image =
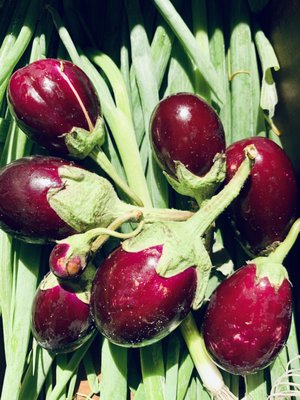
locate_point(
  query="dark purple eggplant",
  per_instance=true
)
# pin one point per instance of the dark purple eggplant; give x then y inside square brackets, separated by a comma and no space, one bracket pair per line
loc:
[25,211]
[248,317]
[267,206]
[50,98]
[133,305]
[185,128]
[61,320]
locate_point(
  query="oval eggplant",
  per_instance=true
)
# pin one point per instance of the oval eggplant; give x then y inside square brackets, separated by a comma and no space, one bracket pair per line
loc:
[51,97]
[267,206]
[24,209]
[247,321]
[61,320]
[183,127]
[132,305]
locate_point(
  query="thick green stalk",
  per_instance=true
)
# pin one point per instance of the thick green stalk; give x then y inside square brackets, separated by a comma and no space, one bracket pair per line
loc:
[147,84]
[199,14]
[119,121]
[36,373]
[26,269]
[13,56]
[209,373]
[219,60]
[240,73]
[68,372]
[190,45]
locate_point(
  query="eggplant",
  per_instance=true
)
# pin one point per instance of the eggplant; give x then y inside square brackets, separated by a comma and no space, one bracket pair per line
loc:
[185,128]
[51,99]
[61,320]
[267,205]
[248,317]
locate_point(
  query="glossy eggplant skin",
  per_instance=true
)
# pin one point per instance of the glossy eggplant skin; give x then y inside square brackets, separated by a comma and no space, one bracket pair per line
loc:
[247,321]
[44,98]
[267,206]
[24,209]
[132,305]
[183,127]
[61,321]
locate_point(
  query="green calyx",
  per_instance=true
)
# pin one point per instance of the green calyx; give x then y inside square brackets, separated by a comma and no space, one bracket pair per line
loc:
[84,200]
[266,268]
[80,142]
[271,266]
[180,251]
[81,287]
[199,188]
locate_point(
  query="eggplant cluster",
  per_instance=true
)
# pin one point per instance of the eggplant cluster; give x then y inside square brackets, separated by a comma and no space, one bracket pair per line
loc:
[150,282]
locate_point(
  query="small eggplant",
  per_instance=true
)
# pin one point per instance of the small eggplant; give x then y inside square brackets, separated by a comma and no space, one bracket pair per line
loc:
[248,317]
[25,211]
[267,206]
[51,99]
[133,305]
[61,319]
[186,128]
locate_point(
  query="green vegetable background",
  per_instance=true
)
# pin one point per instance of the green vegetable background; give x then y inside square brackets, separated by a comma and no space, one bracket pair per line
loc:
[135,53]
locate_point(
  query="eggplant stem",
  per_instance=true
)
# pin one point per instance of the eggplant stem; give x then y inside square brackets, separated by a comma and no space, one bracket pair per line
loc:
[285,246]
[132,215]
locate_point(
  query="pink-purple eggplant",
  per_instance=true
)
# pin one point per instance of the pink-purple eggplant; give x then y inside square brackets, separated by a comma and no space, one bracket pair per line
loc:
[248,317]
[146,287]
[61,320]
[186,128]
[25,211]
[50,99]
[46,198]
[71,256]
[132,304]
[187,138]
[267,206]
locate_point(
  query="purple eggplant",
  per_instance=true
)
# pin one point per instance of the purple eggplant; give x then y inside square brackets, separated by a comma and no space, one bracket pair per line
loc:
[248,317]
[183,127]
[133,305]
[25,211]
[61,320]
[51,98]
[267,206]
[47,198]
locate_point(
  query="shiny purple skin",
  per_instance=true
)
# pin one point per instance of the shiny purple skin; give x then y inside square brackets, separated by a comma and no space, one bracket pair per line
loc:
[132,305]
[61,322]
[24,208]
[267,206]
[44,104]
[183,127]
[62,266]
[247,321]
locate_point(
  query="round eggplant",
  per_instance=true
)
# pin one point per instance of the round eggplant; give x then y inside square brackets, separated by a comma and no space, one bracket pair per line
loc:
[25,211]
[183,127]
[267,206]
[49,98]
[132,305]
[61,320]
